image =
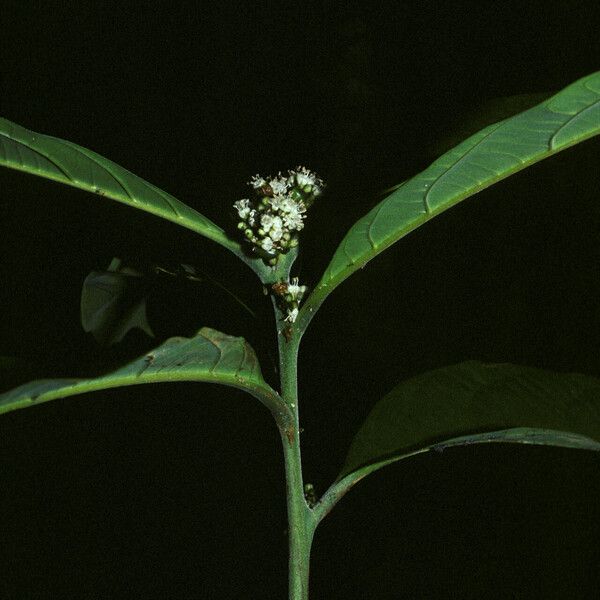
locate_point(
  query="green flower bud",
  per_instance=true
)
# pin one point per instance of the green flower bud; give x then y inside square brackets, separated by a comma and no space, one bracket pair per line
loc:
[296,194]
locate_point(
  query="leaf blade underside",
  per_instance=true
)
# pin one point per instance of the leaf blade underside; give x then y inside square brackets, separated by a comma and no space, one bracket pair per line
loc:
[209,356]
[473,403]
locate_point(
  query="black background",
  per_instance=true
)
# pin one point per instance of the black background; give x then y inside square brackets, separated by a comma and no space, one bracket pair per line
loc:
[176,491]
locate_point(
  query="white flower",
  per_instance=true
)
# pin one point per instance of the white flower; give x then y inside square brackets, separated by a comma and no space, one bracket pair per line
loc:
[278,202]
[267,245]
[276,230]
[243,208]
[283,203]
[273,225]
[266,221]
[292,315]
[252,218]
[257,182]
[279,185]
[291,210]
[304,177]
[286,204]
[293,219]
[294,290]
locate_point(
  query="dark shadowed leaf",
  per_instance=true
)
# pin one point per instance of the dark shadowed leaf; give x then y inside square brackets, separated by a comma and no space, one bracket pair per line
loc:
[209,356]
[113,302]
[474,403]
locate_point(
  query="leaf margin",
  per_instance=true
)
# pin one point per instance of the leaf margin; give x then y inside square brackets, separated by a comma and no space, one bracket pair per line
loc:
[17,138]
[146,369]
[334,276]
[351,474]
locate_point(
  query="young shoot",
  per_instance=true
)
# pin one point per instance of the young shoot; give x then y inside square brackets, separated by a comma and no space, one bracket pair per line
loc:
[456,405]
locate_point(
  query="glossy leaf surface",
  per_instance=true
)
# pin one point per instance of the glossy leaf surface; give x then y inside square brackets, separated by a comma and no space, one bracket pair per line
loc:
[209,356]
[487,113]
[474,403]
[66,162]
[569,117]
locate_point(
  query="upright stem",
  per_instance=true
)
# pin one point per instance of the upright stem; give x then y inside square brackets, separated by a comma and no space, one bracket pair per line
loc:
[301,517]
[301,521]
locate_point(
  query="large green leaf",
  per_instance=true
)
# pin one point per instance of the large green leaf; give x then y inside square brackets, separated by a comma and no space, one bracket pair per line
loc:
[569,117]
[474,403]
[489,112]
[73,165]
[209,356]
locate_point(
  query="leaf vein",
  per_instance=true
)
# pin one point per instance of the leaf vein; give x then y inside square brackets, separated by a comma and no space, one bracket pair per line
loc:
[461,158]
[551,141]
[372,223]
[103,167]
[18,145]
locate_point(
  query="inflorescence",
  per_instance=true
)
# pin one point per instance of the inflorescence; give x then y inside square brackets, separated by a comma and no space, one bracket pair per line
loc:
[289,296]
[272,220]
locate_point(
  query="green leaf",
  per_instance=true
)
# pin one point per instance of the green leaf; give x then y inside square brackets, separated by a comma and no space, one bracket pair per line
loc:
[210,356]
[475,403]
[78,167]
[569,117]
[489,112]
[113,302]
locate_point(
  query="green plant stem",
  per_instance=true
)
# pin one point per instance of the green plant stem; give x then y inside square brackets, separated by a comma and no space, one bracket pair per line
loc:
[301,518]
[301,521]
[342,486]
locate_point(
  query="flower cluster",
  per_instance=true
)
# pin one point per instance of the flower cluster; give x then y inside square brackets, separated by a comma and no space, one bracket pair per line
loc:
[271,221]
[289,295]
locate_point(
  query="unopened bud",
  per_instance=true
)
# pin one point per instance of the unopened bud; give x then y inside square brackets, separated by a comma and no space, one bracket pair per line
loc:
[267,190]
[296,195]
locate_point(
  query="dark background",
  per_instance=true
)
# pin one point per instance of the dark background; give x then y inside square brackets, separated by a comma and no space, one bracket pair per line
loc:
[176,491]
